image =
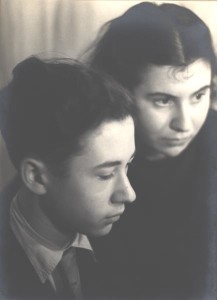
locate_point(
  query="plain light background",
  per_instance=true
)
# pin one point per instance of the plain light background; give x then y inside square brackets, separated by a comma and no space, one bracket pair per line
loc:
[62,28]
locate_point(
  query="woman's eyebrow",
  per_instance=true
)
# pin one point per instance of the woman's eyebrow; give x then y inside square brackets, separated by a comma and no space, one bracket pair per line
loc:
[161,94]
[202,89]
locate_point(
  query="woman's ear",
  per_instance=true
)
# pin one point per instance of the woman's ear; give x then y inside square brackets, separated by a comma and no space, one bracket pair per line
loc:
[34,175]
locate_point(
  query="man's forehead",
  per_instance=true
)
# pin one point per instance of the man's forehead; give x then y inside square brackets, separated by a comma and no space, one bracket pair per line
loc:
[109,134]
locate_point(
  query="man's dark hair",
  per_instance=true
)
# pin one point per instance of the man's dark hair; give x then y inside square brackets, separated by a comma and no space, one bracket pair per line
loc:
[148,33]
[53,103]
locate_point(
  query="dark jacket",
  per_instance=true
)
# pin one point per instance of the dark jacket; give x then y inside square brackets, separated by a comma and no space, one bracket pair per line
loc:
[18,279]
[164,246]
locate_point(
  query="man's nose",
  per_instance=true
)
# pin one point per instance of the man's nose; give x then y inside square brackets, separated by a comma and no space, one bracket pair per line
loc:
[124,192]
[181,119]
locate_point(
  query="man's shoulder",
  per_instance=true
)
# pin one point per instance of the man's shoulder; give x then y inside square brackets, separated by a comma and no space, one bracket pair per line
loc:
[17,276]
[6,196]
[11,254]
[9,191]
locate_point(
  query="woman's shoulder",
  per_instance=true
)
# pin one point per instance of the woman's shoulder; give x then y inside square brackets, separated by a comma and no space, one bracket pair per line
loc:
[209,130]
[207,139]
[212,117]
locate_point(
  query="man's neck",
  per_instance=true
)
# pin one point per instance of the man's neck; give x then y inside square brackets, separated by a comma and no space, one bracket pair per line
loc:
[29,205]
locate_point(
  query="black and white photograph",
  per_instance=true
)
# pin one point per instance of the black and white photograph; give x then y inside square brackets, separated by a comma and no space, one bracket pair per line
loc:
[108,150]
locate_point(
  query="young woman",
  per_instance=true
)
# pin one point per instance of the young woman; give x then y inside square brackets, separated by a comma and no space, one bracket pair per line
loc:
[164,247]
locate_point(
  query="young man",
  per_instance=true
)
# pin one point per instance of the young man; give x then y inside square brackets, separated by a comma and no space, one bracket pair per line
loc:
[70,134]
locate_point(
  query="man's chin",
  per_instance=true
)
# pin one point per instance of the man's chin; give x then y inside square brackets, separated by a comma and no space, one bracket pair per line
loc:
[102,231]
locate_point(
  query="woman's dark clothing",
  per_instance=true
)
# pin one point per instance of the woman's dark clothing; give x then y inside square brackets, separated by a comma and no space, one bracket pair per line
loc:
[165,244]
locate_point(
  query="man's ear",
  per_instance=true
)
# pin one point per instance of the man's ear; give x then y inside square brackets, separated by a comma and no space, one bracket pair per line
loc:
[34,175]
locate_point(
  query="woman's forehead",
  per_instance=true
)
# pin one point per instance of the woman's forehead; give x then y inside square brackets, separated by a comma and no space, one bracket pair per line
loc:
[176,73]
[172,80]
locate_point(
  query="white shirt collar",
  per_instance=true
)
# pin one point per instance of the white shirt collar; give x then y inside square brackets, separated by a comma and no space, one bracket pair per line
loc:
[43,259]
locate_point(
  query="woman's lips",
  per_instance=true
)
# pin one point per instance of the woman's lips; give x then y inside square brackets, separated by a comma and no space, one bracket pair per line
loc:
[177,141]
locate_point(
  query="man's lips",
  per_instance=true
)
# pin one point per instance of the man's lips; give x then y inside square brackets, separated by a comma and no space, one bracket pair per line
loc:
[115,217]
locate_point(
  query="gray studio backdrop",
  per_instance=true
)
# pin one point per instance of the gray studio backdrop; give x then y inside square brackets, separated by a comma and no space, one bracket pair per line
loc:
[61,28]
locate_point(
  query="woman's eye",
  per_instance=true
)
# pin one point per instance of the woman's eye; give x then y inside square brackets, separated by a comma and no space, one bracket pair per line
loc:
[163,102]
[198,97]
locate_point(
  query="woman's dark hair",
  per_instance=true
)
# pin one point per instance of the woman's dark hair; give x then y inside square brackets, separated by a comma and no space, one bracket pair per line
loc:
[166,34]
[52,104]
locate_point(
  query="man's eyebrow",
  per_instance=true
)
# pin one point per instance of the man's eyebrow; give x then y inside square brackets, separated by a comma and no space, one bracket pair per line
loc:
[202,89]
[108,164]
[113,163]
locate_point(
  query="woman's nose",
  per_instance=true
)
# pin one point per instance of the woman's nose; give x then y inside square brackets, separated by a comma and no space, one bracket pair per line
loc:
[181,120]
